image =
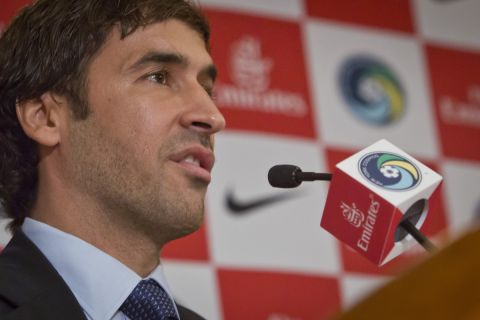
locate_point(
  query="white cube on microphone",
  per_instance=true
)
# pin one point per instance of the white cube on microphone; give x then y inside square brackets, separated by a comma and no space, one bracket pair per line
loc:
[370,193]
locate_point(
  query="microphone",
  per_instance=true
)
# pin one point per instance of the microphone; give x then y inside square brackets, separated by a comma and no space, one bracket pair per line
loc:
[290,176]
[377,200]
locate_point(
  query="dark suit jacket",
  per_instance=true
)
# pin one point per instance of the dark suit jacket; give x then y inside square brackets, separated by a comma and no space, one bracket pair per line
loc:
[30,288]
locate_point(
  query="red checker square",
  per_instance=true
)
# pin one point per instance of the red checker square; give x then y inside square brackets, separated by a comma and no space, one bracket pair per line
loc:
[387,14]
[455,81]
[269,295]
[191,247]
[262,84]
[434,225]
[8,8]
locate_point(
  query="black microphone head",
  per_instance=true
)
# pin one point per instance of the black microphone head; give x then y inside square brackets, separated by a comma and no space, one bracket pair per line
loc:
[283,176]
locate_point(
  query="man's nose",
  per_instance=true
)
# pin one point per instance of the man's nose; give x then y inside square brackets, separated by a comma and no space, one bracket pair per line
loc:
[202,114]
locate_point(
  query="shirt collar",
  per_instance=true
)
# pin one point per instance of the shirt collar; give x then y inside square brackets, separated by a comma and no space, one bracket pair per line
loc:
[99,282]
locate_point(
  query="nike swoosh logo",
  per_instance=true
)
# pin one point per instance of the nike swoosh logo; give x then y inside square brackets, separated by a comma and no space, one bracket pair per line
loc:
[239,207]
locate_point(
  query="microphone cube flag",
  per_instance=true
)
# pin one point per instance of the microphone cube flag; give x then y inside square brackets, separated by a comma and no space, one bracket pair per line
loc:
[370,193]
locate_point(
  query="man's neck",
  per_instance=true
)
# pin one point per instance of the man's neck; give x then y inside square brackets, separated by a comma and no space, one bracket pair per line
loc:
[121,240]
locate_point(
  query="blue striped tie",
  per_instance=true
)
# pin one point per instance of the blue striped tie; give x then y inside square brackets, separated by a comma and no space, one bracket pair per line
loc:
[148,301]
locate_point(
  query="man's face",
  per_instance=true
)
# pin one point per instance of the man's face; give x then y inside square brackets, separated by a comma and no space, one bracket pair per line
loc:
[144,154]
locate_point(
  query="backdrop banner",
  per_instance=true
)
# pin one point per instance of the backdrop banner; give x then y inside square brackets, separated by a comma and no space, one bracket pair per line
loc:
[310,83]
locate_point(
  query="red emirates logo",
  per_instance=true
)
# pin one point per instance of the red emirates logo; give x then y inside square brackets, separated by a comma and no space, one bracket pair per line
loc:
[262,83]
[456,99]
[250,72]
[248,68]
[464,112]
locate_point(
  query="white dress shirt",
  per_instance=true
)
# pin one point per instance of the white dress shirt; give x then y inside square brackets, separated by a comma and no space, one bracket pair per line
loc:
[99,282]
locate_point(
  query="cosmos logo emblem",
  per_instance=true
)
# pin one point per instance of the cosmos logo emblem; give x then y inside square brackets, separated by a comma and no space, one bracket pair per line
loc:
[389,171]
[371,90]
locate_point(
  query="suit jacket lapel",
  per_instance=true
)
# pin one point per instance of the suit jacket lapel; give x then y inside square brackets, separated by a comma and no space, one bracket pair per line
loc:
[187,314]
[31,286]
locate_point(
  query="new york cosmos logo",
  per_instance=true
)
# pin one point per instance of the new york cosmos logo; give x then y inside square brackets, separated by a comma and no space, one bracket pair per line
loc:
[371,90]
[389,171]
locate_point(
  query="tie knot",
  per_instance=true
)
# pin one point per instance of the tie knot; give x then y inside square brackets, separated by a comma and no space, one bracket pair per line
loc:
[148,301]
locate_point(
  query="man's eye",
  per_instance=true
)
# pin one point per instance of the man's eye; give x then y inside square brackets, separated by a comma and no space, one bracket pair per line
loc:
[160,77]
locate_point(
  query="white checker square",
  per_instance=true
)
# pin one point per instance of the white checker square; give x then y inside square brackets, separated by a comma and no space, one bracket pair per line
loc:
[462,192]
[354,288]
[453,23]
[329,46]
[283,235]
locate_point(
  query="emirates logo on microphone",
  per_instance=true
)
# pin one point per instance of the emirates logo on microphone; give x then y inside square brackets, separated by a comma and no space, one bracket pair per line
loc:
[352,214]
[360,220]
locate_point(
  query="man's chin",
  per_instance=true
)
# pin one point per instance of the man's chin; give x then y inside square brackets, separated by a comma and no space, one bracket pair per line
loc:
[186,226]
[183,232]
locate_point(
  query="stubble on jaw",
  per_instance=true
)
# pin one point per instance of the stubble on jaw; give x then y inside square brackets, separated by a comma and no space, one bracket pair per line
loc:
[104,170]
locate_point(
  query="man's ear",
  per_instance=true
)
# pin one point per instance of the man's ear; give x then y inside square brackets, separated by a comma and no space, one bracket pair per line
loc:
[41,118]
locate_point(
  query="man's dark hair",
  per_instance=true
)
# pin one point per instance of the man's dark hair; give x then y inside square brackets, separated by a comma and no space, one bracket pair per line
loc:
[48,47]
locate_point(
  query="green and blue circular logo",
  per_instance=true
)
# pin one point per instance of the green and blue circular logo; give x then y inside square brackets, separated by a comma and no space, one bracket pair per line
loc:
[389,171]
[372,90]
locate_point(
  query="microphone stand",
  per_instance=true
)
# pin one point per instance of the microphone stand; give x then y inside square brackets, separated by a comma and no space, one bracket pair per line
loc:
[417,235]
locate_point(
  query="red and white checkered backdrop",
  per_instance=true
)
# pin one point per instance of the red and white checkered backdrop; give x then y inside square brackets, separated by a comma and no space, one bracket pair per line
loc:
[310,82]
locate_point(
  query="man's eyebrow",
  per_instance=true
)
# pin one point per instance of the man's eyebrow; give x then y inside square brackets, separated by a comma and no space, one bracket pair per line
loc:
[159,58]
[171,58]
